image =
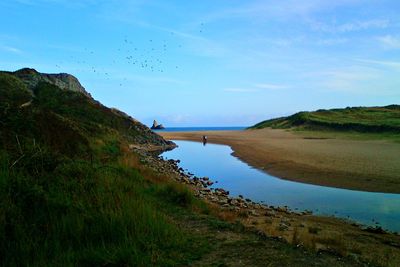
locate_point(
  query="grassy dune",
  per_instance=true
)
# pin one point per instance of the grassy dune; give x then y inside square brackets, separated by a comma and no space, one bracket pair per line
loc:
[359,119]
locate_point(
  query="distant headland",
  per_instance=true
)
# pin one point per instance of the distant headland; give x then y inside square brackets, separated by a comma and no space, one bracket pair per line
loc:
[157,126]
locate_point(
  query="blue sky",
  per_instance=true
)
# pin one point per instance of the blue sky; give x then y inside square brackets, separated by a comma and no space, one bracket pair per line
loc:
[212,63]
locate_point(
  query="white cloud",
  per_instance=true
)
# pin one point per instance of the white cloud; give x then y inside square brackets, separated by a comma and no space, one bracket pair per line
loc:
[357,79]
[364,25]
[240,90]
[390,41]
[350,26]
[271,86]
[68,3]
[281,10]
[395,65]
[332,41]
[10,49]
[256,88]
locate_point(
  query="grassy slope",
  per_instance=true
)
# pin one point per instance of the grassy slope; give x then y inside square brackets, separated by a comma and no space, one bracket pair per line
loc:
[71,195]
[65,196]
[359,119]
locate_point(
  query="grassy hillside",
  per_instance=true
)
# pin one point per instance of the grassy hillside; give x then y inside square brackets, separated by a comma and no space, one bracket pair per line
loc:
[67,194]
[359,119]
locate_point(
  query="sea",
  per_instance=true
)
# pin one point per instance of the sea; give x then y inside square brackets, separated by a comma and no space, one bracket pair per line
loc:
[193,129]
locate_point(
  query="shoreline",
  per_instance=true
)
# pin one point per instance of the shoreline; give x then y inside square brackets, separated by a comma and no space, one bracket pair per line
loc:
[374,167]
[302,229]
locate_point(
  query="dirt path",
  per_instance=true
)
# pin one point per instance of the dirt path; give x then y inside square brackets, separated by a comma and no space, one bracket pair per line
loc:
[367,165]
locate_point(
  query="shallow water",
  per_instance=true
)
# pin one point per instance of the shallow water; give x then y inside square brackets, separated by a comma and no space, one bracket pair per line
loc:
[216,162]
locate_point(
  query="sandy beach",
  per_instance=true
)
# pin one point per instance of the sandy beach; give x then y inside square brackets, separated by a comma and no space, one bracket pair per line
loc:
[367,165]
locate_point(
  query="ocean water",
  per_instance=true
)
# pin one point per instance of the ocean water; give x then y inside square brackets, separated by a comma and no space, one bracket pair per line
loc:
[217,163]
[191,129]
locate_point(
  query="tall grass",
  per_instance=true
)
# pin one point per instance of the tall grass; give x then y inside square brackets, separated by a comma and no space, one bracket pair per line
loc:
[89,216]
[67,197]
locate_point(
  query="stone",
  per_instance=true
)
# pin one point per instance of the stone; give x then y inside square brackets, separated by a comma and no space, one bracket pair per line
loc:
[270,213]
[63,80]
[234,202]
[157,126]
[283,227]
[253,213]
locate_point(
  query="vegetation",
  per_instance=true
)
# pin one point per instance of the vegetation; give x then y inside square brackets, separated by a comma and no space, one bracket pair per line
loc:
[66,195]
[359,119]
[72,194]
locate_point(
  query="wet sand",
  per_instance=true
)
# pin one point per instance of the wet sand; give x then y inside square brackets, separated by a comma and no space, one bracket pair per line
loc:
[367,165]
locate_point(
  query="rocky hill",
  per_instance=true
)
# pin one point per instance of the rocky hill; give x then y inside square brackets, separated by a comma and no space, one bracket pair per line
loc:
[60,100]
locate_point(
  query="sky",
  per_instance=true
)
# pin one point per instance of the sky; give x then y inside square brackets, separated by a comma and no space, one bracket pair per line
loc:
[212,63]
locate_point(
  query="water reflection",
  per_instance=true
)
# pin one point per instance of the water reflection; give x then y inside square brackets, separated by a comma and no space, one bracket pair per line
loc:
[216,162]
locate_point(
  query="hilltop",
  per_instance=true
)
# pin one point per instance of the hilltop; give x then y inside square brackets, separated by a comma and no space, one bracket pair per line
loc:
[31,78]
[358,119]
[57,110]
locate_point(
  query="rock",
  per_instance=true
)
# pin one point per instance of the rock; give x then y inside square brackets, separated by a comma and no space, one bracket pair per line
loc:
[375,230]
[63,80]
[233,202]
[285,220]
[232,208]
[283,227]
[321,247]
[157,126]
[270,213]
[207,190]
[282,209]
[253,213]
[306,212]
[27,104]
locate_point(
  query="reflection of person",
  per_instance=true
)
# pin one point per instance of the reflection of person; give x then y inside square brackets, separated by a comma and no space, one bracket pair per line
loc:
[204,140]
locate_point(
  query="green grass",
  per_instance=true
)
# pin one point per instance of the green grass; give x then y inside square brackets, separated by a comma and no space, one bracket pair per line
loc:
[66,198]
[90,215]
[358,119]
[349,135]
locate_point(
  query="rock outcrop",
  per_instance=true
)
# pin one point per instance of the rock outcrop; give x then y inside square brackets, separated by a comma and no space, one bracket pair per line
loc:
[133,130]
[157,126]
[65,81]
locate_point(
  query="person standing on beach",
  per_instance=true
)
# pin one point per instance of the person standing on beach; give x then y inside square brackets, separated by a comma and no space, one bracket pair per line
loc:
[204,140]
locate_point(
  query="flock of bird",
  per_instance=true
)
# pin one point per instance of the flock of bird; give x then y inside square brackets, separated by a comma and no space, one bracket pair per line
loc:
[149,55]
[151,58]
